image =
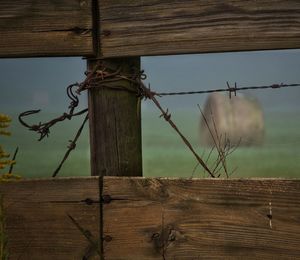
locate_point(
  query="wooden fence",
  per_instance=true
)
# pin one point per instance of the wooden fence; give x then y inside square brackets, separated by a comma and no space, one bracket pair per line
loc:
[144,218]
[135,217]
[136,28]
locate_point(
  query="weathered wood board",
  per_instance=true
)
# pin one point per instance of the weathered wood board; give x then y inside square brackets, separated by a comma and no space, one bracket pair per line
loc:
[152,218]
[115,123]
[37,218]
[45,28]
[137,28]
[201,219]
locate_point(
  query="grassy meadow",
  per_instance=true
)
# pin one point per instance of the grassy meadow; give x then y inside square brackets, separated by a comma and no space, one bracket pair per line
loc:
[165,155]
[163,151]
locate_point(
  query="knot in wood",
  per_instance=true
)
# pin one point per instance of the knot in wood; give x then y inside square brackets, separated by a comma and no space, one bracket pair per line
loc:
[155,236]
[107,238]
[157,241]
[172,235]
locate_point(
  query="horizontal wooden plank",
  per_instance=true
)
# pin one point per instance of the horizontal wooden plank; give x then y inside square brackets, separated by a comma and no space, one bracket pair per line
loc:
[45,28]
[137,28]
[199,219]
[152,218]
[38,218]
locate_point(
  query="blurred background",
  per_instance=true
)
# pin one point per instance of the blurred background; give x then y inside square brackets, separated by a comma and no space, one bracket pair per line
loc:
[40,83]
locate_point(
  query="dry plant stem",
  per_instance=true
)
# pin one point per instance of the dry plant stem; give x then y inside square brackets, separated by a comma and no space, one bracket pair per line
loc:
[227,150]
[221,149]
[206,161]
[217,142]
[71,146]
[208,157]
[167,117]
[224,150]
[13,159]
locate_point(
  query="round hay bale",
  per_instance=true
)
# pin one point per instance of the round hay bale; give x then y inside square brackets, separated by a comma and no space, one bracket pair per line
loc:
[238,120]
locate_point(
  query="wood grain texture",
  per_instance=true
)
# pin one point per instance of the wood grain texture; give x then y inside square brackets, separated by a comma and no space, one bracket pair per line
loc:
[37,222]
[45,28]
[152,218]
[137,28]
[115,124]
[200,219]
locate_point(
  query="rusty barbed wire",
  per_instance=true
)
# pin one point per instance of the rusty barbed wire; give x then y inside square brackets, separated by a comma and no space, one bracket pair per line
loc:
[147,93]
[101,75]
[43,129]
[71,146]
[228,89]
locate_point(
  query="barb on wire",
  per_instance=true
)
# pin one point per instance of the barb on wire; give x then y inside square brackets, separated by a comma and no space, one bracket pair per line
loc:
[147,93]
[43,129]
[229,89]
[71,146]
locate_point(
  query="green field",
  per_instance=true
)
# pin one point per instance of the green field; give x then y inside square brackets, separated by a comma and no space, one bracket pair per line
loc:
[163,152]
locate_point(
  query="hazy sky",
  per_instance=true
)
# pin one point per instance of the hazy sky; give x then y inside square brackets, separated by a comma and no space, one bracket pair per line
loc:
[41,82]
[209,71]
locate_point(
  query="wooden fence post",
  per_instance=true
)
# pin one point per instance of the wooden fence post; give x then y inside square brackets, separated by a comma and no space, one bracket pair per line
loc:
[115,124]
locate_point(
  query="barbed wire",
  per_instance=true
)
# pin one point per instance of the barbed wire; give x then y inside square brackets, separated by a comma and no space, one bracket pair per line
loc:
[228,89]
[71,146]
[147,93]
[43,129]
